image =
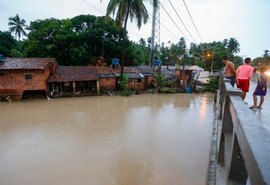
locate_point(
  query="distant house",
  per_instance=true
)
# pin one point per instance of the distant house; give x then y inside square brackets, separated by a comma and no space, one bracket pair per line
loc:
[136,79]
[107,78]
[21,76]
[184,77]
[74,81]
[148,73]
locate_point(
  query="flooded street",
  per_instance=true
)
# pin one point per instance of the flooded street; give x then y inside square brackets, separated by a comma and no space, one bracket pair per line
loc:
[139,140]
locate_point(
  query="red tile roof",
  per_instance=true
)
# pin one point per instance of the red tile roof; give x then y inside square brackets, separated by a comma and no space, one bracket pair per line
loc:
[146,70]
[104,70]
[74,73]
[26,63]
[127,70]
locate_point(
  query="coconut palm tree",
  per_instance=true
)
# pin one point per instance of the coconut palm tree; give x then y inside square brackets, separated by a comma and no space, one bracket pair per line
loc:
[17,26]
[123,10]
[233,46]
[266,53]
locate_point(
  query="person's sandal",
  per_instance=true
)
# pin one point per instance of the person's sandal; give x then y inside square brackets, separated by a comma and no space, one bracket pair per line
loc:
[259,107]
[253,107]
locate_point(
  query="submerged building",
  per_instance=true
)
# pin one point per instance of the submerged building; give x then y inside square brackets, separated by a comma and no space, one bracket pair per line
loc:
[26,77]
[22,76]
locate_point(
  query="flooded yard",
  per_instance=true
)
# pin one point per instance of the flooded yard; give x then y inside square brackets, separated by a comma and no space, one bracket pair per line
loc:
[139,140]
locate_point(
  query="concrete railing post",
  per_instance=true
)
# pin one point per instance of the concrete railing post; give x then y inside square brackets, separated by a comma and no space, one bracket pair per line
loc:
[243,143]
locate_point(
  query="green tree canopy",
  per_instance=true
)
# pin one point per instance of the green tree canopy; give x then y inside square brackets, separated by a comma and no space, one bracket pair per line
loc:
[124,10]
[73,41]
[7,43]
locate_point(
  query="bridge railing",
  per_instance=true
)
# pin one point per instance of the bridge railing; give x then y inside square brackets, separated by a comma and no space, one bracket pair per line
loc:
[243,144]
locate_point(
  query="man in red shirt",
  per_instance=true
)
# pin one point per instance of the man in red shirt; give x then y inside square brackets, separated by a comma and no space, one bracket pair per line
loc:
[243,75]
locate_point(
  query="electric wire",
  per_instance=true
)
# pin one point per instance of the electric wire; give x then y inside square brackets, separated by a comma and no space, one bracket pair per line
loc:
[172,34]
[192,20]
[174,22]
[138,35]
[182,21]
[93,6]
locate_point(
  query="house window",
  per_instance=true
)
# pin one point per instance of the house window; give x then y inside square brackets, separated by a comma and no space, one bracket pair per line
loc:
[28,76]
[138,80]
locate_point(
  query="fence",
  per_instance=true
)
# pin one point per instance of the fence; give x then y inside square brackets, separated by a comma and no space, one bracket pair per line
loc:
[243,144]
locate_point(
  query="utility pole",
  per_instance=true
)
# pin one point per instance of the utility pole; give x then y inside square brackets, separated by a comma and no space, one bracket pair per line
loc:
[155,38]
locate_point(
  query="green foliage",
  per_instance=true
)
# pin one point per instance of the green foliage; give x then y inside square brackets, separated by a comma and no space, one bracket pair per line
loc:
[174,53]
[7,43]
[73,41]
[261,61]
[160,80]
[16,53]
[124,85]
[213,84]
[198,53]
[137,54]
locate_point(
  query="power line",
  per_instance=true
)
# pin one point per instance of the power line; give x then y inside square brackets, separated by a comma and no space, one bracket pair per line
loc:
[93,6]
[172,34]
[138,35]
[181,21]
[173,21]
[192,20]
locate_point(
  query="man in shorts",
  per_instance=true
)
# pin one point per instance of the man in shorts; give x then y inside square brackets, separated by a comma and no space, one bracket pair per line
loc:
[243,75]
[229,72]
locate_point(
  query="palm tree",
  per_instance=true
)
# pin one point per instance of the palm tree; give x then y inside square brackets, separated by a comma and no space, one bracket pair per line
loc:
[233,46]
[17,26]
[123,10]
[266,53]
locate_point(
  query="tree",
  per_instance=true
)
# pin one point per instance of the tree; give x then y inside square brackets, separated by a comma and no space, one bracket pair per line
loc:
[17,25]
[233,46]
[7,43]
[123,10]
[266,53]
[74,41]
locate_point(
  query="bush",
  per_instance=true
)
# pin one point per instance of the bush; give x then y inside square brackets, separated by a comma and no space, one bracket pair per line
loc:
[160,81]
[213,84]
[124,85]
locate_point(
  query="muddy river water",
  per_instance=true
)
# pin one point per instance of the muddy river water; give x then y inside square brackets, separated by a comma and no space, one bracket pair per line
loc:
[139,140]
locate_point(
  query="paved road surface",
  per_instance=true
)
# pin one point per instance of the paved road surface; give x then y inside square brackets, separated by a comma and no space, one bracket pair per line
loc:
[264,114]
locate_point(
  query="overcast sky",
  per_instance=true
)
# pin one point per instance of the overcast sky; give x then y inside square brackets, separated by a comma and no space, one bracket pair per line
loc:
[246,20]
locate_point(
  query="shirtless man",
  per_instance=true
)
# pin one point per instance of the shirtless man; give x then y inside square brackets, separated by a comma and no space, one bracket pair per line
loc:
[230,72]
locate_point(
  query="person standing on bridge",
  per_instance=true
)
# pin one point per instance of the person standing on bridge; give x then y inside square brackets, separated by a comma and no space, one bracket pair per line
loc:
[243,76]
[229,72]
[260,90]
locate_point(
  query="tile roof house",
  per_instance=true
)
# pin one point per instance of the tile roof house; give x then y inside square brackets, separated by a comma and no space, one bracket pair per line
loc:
[74,73]
[74,80]
[23,75]
[107,78]
[136,79]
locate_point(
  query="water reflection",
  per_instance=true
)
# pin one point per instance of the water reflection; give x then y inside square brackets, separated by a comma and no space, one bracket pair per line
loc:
[146,139]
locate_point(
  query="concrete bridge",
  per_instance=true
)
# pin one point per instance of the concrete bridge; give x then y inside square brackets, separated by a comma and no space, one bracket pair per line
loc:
[240,151]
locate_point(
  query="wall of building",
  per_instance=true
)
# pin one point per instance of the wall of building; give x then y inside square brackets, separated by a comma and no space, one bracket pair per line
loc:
[107,83]
[136,84]
[149,81]
[13,82]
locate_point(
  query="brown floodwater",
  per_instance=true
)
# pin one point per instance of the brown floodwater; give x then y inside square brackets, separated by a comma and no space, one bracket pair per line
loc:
[139,140]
